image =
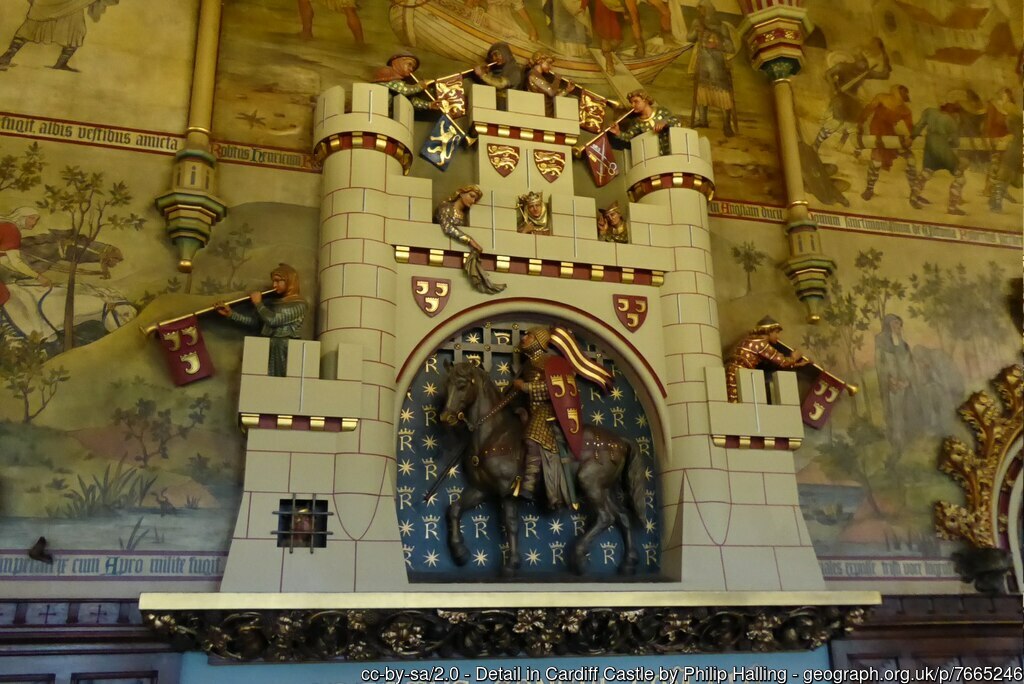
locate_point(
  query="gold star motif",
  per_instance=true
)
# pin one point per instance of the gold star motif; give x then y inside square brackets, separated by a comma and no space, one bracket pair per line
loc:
[453,471]
[406,415]
[431,559]
[432,500]
[504,368]
[480,558]
[597,418]
[649,525]
[472,338]
[405,467]
[641,421]
[533,557]
[430,389]
[405,528]
[430,442]
[648,475]
[616,394]
[555,526]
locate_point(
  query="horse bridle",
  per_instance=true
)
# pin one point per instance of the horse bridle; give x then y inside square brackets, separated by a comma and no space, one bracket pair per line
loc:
[505,401]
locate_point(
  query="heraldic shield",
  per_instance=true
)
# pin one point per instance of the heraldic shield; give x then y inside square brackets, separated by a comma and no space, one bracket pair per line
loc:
[631,310]
[550,164]
[504,158]
[565,400]
[431,294]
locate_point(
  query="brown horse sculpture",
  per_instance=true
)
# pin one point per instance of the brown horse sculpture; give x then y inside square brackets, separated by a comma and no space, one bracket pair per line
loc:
[495,458]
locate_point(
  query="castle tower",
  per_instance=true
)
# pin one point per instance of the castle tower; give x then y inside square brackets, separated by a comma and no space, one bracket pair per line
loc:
[323,437]
[730,512]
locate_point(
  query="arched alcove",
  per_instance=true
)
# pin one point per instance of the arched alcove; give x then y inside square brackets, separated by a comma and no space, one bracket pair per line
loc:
[546,537]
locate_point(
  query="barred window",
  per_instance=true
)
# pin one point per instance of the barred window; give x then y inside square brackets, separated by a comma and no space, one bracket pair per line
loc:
[302,524]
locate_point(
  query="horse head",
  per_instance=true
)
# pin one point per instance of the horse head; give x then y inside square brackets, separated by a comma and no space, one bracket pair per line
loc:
[461,386]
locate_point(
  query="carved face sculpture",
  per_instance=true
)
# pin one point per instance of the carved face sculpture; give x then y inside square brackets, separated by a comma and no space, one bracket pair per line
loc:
[405,66]
[640,105]
[279,283]
[303,527]
[468,198]
[535,208]
[614,217]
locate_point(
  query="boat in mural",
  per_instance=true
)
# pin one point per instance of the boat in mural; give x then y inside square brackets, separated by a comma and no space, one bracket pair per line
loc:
[452,29]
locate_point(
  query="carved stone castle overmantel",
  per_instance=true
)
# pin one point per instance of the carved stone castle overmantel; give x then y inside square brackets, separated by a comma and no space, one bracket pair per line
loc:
[324,437]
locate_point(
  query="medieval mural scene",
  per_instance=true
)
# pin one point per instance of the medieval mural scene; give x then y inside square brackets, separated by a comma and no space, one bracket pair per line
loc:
[909,141]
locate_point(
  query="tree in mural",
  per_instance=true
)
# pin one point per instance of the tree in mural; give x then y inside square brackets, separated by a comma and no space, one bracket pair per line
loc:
[24,373]
[875,291]
[749,258]
[235,251]
[857,458]
[22,172]
[846,323]
[87,201]
[958,308]
[152,429]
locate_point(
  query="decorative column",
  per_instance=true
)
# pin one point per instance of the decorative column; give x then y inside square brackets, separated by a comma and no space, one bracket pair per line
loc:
[775,32]
[191,206]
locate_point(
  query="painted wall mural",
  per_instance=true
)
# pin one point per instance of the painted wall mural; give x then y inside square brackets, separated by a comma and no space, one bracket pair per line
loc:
[917,326]
[103,457]
[72,60]
[101,454]
[276,57]
[917,114]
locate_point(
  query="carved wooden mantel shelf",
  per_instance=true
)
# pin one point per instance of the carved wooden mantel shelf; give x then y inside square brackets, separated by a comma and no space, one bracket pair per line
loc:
[391,626]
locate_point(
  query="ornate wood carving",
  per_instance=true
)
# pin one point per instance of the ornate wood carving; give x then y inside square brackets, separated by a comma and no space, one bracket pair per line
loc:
[386,634]
[996,429]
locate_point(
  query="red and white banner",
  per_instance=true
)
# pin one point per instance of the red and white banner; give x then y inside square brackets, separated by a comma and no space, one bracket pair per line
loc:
[187,357]
[821,399]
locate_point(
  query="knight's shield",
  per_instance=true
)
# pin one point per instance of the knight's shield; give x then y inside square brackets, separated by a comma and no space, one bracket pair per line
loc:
[565,400]
[631,310]
[431,294]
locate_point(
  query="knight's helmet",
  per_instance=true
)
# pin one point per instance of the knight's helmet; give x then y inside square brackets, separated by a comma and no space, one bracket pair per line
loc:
[541,338]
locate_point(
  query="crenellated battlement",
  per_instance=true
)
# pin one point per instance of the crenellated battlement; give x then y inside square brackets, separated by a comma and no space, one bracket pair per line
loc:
[372,120]
[327,403]
[687,153]
[757,420]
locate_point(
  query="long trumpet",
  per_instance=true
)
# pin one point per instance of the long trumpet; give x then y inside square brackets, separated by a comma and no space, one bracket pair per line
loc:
[463,73]
[578,151]
[149,330]
[851,388]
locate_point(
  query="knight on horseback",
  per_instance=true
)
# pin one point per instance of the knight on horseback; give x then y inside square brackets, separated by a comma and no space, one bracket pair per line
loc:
[554,428]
